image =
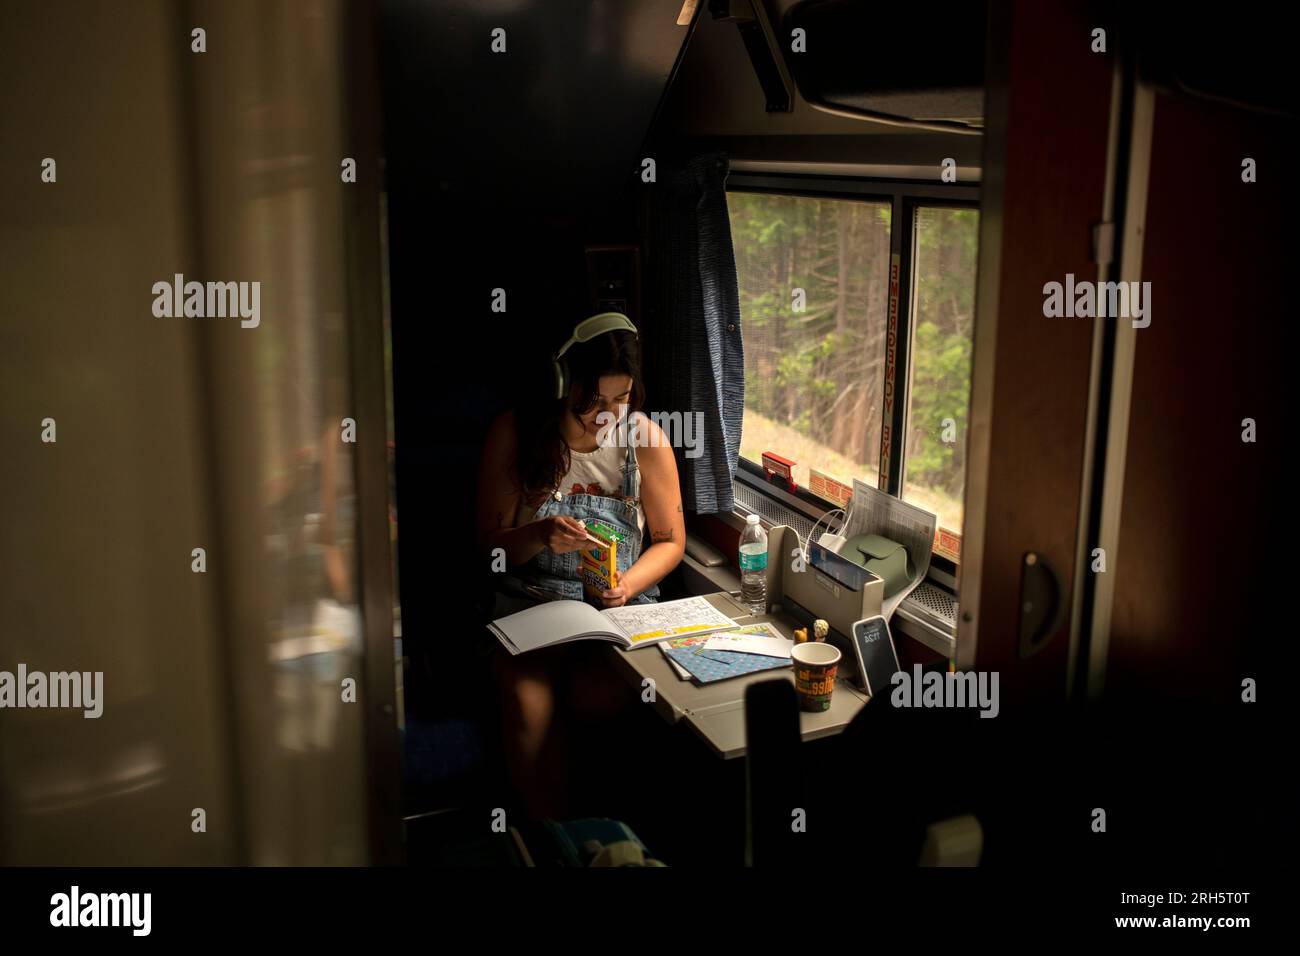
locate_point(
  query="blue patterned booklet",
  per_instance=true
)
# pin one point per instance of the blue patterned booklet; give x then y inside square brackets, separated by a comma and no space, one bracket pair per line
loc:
[692,660]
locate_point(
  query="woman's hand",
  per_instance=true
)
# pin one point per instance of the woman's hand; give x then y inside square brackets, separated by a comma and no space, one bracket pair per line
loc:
[562,534]
[618,595]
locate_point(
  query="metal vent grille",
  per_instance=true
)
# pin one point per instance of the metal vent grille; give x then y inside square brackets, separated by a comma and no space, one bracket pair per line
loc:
[772,511]
[936,602]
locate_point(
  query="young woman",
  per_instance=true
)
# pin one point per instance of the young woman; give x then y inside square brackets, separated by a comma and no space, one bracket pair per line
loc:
[582,452]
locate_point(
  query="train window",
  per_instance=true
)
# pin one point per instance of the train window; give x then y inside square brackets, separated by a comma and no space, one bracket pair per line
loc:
[813,277]
[944,243]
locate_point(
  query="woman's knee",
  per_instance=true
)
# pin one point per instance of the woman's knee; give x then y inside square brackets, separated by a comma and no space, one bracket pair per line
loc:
[527,691]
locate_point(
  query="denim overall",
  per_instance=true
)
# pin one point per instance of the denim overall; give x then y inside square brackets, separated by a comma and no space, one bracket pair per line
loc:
[559,572]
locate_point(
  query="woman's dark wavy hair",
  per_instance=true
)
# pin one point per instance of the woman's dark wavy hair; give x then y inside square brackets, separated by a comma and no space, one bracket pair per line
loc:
[543,456]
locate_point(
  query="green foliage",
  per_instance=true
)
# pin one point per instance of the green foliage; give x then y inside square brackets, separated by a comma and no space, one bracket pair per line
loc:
[820,371]
[940,390]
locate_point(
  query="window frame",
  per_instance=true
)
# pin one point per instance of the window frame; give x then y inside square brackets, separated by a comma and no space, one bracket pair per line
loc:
[904,197]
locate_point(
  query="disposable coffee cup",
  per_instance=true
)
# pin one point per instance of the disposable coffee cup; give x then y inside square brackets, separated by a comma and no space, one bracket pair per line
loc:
[814,674]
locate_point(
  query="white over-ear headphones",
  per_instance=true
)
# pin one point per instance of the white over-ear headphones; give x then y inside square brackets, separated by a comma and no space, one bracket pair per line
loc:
[585,331]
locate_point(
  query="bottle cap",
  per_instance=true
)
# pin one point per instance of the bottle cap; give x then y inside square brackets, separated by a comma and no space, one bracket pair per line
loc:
[751,519]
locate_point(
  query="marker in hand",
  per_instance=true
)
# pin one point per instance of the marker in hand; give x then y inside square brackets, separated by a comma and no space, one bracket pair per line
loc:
[588,535]
[580,528]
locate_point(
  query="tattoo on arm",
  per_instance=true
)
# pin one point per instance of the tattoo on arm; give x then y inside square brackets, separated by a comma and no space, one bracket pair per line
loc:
[657,536]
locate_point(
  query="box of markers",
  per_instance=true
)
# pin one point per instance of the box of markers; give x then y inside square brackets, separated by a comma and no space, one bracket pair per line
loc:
[599,564]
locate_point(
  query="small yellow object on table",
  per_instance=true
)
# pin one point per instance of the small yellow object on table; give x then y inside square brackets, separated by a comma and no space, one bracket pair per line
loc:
[801,635]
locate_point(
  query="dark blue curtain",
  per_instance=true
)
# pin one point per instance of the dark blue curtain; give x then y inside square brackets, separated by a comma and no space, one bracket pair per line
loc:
[695,355]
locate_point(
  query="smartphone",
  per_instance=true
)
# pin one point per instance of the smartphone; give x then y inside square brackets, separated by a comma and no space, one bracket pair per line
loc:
[877,658]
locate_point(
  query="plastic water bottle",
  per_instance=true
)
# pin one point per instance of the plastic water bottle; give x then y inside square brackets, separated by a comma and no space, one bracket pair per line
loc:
[753,566]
